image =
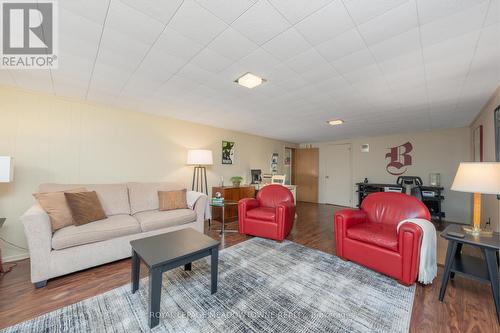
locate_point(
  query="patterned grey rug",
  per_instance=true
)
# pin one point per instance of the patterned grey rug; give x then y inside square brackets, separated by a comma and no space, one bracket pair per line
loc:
[264,286]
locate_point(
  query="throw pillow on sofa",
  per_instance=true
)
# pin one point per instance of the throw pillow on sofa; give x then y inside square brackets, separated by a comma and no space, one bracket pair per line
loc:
[55,205]
[85,207]
[170,200]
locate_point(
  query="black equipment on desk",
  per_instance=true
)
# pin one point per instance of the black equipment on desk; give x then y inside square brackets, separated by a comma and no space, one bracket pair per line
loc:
[431,196]
[412,185]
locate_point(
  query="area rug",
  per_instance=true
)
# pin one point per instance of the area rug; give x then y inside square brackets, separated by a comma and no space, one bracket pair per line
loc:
[264,286]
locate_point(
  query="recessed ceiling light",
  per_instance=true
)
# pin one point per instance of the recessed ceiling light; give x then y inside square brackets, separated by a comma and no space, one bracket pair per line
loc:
[335,122]
[250,81]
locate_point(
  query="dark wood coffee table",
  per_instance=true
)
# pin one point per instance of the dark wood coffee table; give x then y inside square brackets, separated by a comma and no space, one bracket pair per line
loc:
[166,251]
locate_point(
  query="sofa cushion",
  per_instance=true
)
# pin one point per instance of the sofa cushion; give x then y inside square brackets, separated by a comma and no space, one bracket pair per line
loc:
[262,213]
[85,207]
[113,197]
[170,200]
[144,196]
[379,234]
[56,206]
[155,219]
[112,227]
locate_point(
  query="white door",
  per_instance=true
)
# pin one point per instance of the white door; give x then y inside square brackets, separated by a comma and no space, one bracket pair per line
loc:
[338,175]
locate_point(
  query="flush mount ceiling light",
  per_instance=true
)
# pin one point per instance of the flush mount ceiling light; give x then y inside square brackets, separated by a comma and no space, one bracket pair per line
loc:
[335,122]
[249,80]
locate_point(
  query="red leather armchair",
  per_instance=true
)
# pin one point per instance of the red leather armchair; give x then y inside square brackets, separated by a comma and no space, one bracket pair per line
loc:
[270,215]
[369,236]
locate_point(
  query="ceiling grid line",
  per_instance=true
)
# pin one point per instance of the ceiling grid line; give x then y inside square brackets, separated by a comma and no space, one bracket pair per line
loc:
[97,51]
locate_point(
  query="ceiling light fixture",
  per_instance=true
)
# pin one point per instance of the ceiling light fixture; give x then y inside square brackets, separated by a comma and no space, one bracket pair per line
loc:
[335,122]
[249,80]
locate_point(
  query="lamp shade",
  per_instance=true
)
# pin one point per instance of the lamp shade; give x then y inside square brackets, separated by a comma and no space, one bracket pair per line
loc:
[478,177]
[6,169]
[199,157]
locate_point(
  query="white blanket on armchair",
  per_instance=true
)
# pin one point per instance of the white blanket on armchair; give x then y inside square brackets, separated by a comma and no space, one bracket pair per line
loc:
[427,269]
[192,197]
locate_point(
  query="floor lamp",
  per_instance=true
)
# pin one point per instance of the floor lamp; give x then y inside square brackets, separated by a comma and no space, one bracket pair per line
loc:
[6,176]
[199,158]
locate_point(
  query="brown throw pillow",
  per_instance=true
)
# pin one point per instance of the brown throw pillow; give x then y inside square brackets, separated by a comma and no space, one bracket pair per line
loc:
[172,199]
[85,207]
[55,205]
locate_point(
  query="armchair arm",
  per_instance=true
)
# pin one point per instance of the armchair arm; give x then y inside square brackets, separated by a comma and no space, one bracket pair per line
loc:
[201,209]
[343,220]
[409,240]
[285,214]
[38,232]
[244,205]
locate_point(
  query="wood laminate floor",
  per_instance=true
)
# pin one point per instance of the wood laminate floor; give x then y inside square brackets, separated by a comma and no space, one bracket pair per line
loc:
[468,305]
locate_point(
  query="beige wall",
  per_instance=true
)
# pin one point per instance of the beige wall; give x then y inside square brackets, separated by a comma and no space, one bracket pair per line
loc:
[433,152]
[59,140]
[490,205]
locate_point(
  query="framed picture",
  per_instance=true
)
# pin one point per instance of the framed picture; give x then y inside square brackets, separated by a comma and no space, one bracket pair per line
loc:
[274,163]
[227,152]
[478,143]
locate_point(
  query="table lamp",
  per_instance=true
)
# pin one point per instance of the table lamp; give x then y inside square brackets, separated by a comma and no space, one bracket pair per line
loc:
[199,158]
[478,178]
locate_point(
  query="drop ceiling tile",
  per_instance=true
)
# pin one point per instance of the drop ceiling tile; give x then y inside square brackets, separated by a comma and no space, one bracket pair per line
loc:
[286,45]
[405,61]
[364,10]
[72,67]
[493,15]
[94,10]
[390,24]
[296,10]
[462,47]
[261,23]
[322,72]
[258,62]
[109,78]
[116,49]
[175,44]
[196,74]
[306,61]
[207,25]
[455,25]
[399,45]
[367,73]
[342,45]
[326,23]
[159,65]
[354,61]
[233,45]
[77,34]
[161,11]
[430,10]
[211,61]
[68,87]
[33,79]
[6,78]
[224,11]
[133,23]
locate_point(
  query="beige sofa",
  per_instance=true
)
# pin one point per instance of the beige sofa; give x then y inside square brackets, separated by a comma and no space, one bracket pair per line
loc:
[132,211]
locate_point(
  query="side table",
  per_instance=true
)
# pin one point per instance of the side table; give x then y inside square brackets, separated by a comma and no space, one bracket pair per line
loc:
[472,267]
[223,206]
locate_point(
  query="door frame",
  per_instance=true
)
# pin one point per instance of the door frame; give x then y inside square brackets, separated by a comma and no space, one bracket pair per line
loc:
[351,174]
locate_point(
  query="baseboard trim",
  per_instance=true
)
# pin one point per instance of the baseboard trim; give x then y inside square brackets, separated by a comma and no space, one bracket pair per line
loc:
[16,257]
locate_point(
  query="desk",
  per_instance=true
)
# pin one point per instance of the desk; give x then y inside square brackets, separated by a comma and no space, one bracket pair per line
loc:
[472,267]
[432,202]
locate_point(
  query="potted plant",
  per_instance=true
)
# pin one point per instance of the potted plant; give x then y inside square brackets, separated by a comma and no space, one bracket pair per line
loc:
[236,180]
